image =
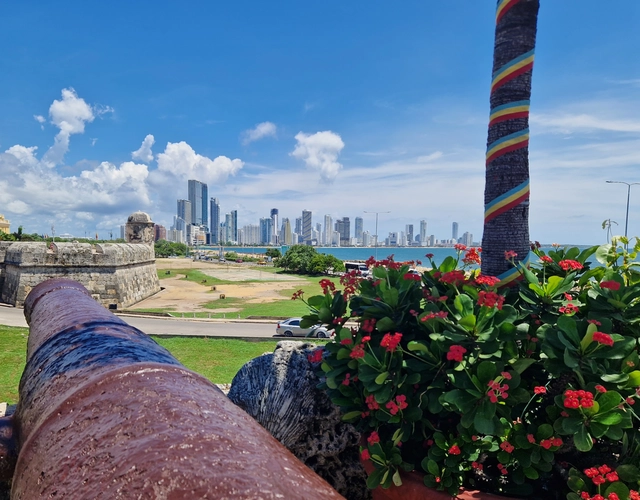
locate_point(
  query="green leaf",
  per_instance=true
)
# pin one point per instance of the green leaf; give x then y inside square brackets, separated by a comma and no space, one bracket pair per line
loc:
[531,473]
[396,478]
[431,467]
[381,378]
[468,322]
[375,478]
[618,488]
[570,359]
[351,415]
[521,364]
[582,439]
[609,418]
[486,372]
[385,325]
[568,325]
[463,304]
[608,401]
[545,431]
[416,345]
[634,379]
[628,473]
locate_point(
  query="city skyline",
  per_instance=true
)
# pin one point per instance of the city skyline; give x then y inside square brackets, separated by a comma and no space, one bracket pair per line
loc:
[337,121]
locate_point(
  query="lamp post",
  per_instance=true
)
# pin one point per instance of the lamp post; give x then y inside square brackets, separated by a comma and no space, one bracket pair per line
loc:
[376,246]
[626,220]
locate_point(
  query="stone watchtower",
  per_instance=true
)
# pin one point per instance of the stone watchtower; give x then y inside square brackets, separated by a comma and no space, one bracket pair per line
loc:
[139,229]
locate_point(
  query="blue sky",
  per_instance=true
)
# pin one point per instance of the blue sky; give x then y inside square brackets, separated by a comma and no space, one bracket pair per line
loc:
[334,107]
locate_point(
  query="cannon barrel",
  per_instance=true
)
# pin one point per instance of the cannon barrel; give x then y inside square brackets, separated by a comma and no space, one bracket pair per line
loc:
[105,412]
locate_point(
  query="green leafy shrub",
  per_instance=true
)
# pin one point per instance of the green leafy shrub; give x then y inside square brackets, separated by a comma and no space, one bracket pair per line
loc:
[526,391]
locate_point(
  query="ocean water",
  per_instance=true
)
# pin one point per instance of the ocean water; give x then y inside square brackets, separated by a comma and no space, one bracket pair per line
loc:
[400,254]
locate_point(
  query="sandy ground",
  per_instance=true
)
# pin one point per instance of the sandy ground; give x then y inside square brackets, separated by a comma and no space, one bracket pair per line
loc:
[186,296]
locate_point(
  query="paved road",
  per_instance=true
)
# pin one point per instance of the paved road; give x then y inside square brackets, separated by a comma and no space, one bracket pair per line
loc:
[12,316]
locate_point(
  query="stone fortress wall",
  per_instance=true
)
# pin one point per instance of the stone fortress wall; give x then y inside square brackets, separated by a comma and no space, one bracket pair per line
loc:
[117,274]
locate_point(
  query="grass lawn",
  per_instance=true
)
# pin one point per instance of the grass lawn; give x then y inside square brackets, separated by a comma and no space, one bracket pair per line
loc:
[217,359]
[191,275]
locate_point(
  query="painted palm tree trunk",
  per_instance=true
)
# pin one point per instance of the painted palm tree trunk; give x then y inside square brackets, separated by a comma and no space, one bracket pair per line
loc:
[506,194]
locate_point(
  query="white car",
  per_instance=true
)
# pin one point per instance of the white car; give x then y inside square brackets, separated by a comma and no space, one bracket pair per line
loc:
[291,328]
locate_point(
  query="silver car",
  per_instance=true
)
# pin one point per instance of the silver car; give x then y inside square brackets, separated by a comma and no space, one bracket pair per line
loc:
[291,328]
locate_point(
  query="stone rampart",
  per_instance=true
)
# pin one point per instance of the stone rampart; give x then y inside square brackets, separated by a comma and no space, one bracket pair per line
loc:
[117,274]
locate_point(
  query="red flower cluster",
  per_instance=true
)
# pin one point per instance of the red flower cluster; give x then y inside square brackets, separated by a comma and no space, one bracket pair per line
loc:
[399,404]
[364,454]
[455,277]
[578,399]
[472,256]
[602,474]
[412,277]
[611,285]
[540,390]
[347,379]
[569,309]
[506,446]
[347,341]
[429,256]
[390,342]
[432,315]
[327,286]
[510,254]
[460,247]
[548,443]
[487,280]
[496,390]
[569,264]
[490,299]
[601,388]
[350,281]
[545,259]
[371,402]
[357,352]
[316,356]
[373,438]
[603,338]
[454,450]
[455,353]
[368,325]
[297,295]
[503,469]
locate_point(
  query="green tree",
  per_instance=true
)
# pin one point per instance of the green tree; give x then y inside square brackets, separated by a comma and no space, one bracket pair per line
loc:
[165,248]
[506,195]
[297,259]
[274,253]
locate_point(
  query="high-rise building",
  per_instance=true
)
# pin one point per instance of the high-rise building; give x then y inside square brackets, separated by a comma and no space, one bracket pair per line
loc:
[199,198]
[184,211]
[359,229]
[249,235]
[160,232]
[286,235]
[274,226]
[328,230]
[454,231]
[298,225]
[233,226]
[467,239]
[307,225]
[266,230]
[214,226]
[423,232]
[343,226]
[409,233]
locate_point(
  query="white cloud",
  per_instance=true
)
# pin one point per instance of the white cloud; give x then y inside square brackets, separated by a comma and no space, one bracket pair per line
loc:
[260,131]
[24,155]
[320,152]
[180,161]
[144,154]
[18,207]
[93,141]
[70,115]
[571,123]
[40,118]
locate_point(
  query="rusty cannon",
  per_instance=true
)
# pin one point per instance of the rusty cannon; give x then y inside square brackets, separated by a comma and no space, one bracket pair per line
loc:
[105,412]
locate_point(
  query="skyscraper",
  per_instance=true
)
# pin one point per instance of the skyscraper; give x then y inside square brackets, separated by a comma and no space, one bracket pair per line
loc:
[409,232]
[266,230]
[285,233]
[215,221]
[198,196]
[359,228]
[423,232]
[328,230]
[343,226]
[454,231]
[274,226]
[184,211]
[233,231]
[306,226]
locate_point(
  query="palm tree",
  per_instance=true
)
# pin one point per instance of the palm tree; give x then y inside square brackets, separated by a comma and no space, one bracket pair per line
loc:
[506,194]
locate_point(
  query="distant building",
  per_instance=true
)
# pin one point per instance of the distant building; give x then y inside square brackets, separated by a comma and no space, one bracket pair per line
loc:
[454,231]
[214,223]
[286,236]
[358,230]
[266,231]
[160,232]
[4,225]
[409,233]
[343,226]
[184,211]
[231,226]
[274,227]
[423,232]
[249,235]
[392,240]
[199,197]
[467,239]
[307,226]
[328,230]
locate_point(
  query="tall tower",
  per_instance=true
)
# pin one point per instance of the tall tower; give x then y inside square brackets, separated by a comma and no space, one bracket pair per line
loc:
[409,232]
[423,232]
[359,229]
[274,226]
[233,231]
[266,230]
[454,231]
[306,226]
[184,211]
[285,232]
[215,221]
[198,196]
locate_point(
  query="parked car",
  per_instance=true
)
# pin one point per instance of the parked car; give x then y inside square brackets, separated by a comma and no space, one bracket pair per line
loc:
[291,328]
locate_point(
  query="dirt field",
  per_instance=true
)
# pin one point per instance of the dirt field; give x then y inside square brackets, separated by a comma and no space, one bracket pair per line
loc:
[186,296]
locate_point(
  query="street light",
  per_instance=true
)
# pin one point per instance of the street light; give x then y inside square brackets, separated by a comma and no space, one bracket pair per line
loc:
[376,227]
[628,184]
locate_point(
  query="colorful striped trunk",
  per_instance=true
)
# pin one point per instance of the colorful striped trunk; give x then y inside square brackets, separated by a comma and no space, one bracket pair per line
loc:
[506,195]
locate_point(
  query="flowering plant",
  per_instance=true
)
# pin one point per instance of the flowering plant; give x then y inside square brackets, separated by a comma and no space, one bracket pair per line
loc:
[525,391]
